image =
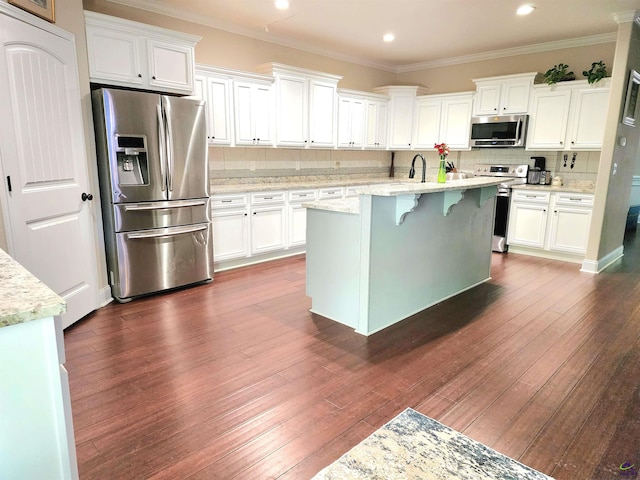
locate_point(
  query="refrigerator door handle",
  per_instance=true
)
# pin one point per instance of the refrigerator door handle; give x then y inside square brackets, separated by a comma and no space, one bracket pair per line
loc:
[163,147]
[175,204]
[166,232]
[167,117]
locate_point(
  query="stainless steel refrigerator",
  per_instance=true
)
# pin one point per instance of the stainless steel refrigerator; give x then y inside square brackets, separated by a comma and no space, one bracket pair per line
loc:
[154,188]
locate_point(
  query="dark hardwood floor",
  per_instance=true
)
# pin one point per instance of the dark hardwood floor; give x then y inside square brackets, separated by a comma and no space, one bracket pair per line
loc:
[236,379]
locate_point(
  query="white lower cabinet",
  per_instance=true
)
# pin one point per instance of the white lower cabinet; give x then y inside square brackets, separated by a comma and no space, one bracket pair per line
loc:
[230,218]
[297,216]
[267,222]
[570,222]
[555,222]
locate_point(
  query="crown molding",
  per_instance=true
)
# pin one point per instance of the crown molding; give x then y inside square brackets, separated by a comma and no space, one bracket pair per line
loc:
[510,52]
[624,17]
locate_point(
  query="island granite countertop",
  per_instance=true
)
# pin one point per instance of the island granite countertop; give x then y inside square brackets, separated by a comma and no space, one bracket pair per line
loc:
[22,296]
[264,184]
[352,204]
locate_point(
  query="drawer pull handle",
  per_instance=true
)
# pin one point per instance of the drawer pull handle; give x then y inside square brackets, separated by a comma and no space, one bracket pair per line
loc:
[226,201]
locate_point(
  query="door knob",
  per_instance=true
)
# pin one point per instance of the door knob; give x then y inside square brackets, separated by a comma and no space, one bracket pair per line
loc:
[86,196]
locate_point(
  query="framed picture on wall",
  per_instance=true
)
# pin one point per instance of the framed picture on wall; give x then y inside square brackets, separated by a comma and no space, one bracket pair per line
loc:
[41,8]
[631,100]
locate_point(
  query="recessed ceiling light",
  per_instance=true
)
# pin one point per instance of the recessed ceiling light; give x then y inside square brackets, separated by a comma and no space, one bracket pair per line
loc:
[389,37]
[525,9]
[282,4]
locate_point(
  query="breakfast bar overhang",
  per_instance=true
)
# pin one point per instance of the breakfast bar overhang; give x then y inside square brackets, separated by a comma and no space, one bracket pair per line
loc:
[397,249]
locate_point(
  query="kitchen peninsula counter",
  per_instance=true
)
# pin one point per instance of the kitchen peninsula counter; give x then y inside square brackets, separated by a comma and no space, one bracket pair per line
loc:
[397,249]
[22,296]
[36,428]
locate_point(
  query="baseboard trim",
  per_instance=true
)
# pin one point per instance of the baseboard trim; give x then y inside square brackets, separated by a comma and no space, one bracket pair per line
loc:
[104,296]
[265,257]
[596,266]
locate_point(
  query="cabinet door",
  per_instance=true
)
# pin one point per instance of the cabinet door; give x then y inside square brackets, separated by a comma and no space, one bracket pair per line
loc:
[170,66]
[350,122]
[376,125]
[322,114]
[428,115]
[456,123]
[267,228]
[252,114]
[262,113]
[230,234]
[297,225]
[292,111]
[219,108]
[487,100]
[570,229]
[401,122]
[588,118]
[114,56]
[515,97]
[243,114]
[549,115]
[527,225]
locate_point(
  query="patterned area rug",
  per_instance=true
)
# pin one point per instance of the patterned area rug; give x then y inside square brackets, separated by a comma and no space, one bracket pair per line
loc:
[415,447]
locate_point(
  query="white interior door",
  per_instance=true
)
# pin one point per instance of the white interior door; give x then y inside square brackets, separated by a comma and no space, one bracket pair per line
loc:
[42,153]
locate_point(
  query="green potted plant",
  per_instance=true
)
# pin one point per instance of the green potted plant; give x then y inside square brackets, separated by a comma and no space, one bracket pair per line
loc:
[597,72]
[558,73]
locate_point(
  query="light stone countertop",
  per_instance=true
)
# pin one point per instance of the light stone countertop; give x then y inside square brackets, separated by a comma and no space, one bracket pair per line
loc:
[221,187]
[352,204]
[586,187]
[22,296]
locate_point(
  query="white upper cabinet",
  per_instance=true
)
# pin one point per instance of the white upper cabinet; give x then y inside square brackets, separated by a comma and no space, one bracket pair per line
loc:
[351,116]
[443,119]
[376,111]
[401,114]
[253,100]
[548,119]
[306,106]
[214,87]
[588,116]
[504,95]
[131,54]
[568,116]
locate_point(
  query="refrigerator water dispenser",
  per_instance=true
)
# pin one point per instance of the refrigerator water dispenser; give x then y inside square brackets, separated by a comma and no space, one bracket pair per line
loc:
[133,167]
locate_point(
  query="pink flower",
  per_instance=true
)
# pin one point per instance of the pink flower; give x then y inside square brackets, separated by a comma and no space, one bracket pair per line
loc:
[443,150]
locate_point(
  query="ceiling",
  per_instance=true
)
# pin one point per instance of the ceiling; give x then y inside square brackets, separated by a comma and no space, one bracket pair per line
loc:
[428,32]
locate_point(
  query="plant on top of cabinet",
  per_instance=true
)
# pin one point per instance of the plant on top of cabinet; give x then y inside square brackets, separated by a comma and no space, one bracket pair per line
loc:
[558,73]
[597,72]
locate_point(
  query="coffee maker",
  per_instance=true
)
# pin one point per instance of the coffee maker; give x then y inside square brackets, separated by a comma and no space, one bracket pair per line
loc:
[538,173]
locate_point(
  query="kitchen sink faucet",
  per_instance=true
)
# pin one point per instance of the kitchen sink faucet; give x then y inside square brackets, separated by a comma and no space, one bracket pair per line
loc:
[412,171]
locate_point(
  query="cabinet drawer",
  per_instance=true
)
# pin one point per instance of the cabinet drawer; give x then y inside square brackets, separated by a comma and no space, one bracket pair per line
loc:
[302,195]
[228,201]
[531,196]
[264,198]
[574,199]
[330,192]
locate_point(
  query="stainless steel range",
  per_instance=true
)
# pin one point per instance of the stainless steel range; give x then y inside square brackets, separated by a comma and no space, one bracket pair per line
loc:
[512,174]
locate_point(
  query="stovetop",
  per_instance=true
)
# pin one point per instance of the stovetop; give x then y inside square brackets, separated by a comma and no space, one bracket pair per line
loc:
[512,174]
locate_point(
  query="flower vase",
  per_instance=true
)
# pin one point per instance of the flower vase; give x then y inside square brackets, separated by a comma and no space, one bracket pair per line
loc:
[442,172]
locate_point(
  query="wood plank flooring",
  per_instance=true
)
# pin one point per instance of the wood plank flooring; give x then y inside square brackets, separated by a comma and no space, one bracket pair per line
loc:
[238,380]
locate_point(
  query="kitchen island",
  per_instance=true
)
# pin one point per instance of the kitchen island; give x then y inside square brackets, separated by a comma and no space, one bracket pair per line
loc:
[36,429]
[397,249]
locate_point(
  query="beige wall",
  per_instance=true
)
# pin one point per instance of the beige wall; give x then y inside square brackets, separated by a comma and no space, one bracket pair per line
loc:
[458,78]
[613,191]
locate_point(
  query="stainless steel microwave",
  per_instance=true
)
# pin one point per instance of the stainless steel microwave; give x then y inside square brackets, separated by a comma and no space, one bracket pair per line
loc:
[499,131]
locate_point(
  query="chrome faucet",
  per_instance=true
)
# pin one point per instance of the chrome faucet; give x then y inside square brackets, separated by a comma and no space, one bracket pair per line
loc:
[412,171]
